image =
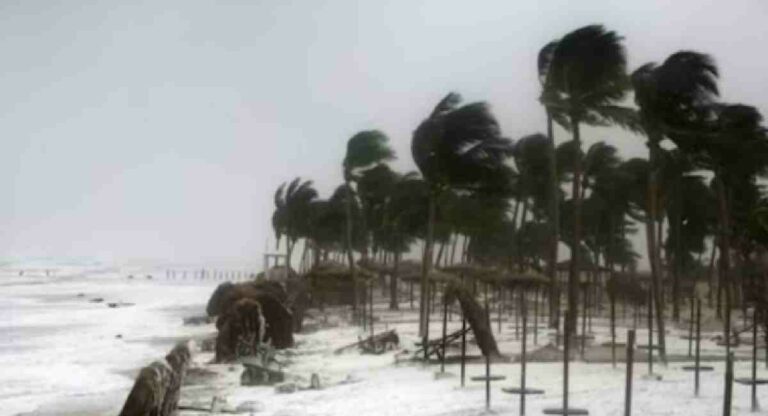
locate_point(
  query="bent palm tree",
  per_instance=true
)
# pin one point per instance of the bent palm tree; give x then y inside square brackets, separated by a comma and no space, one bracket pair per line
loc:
[457,147]
[586,76]
[673,99]
[292,213]
[364,149]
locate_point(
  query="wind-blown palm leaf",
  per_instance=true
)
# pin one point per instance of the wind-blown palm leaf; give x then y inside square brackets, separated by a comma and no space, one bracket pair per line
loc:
[461,146]
[367,148]
[588,68]
[676,96]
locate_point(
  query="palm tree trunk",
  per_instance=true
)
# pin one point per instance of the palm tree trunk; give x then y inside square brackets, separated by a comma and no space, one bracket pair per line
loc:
[426,265]
[393,303]
[574,270]
[440,253]
[653,258]
[455,238]
[711,291]
[678,220]
[554,223]
[523,217]
[348,244]
[725,251]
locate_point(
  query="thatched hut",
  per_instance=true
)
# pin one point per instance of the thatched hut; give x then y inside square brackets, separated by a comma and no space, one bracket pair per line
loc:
[628,288]
[241,307]
[331,283]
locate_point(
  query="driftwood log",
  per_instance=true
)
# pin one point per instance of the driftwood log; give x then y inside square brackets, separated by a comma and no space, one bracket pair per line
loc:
[158,385]
[375,344]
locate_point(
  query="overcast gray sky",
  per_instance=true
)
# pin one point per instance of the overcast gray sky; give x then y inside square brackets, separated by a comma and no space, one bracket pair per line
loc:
[160,129]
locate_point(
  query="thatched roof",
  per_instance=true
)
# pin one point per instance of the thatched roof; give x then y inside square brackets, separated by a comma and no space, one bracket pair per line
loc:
[433,275]
[585,264]
[374,266]
[334,270]
[279,273]
[468,269]
[515,279]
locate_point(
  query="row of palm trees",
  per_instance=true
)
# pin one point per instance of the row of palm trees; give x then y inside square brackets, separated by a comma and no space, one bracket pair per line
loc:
[504,200]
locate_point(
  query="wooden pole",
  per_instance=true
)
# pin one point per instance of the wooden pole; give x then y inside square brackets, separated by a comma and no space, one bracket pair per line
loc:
[613,329]
[690,330]
[536,316]
[630,362]
[566,346]
[410,289]
[487,359]
[463,348]
[728,385]
[517,314]
[370,315]
[754,360]
[500,307]
[698,347]
[583,322]
[650,332]
[445,325]
[524,312]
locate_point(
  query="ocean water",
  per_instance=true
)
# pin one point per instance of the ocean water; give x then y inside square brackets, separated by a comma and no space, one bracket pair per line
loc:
[63,353]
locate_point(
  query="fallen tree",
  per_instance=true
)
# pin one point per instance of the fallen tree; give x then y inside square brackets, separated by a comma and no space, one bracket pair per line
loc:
[475,315]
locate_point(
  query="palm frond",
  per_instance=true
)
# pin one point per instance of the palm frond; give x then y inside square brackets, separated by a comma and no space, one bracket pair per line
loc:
[367,148]
[588,67]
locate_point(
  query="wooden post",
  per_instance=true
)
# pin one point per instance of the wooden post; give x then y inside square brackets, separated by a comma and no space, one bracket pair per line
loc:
[754,360]
[536,316]
[557,328]
[487,359]
[630,362]
[583,322]
[363,318]
[690,330]
[728,385]
[445,325]
[500,307]
[370,315]
[524,312]
[566,358]
[410,289]
[698,347]
[487,381]
[463,348]
[517,313]
[613,329]
[650,332]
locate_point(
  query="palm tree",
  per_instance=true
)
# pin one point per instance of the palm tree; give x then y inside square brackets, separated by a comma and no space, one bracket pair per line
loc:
[736,150]
[586,77]
[544,61]
[407,207]
[292,213]
[364,149]
[672,99]
[457,147]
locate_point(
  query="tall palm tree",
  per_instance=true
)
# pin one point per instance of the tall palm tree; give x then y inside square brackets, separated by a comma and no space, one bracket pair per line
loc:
[364,150]
[406,209]
[586,77]
[736,150]
[457,147]
[292,211]
[672,98]
[544,61]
